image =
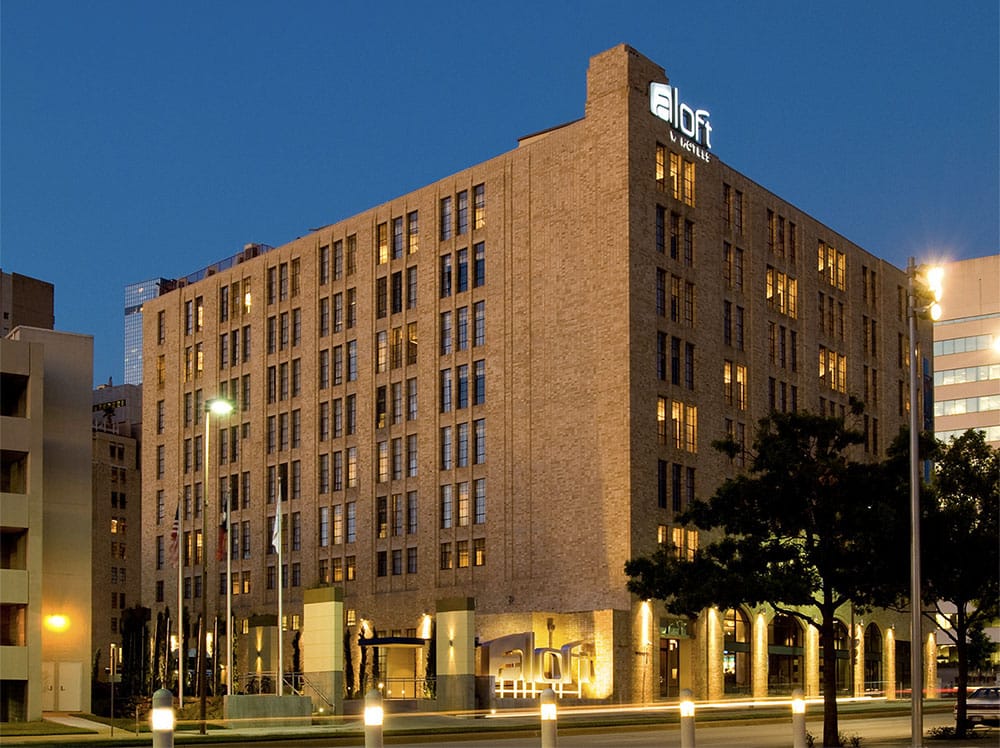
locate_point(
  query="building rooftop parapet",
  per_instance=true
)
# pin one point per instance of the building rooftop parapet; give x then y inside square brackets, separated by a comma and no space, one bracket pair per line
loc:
[248,253]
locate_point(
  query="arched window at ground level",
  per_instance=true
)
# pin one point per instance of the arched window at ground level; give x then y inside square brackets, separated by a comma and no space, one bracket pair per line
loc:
[842,646]
[873,659]
[784,655]
[736,652]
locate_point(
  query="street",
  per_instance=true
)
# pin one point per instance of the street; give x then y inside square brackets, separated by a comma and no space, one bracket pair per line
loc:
[874,731]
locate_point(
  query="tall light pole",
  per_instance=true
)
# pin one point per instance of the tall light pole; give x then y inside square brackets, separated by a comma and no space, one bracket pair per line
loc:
[221,407]
[924,295]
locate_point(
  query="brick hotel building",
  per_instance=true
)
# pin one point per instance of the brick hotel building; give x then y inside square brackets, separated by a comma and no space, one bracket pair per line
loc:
[503,385]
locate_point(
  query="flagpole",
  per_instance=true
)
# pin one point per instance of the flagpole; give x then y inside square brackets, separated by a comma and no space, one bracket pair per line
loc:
[279,688]
[229,594]
[180,608]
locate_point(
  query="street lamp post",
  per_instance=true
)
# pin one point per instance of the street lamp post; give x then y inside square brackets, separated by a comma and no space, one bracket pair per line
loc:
[220,407]
[924,295]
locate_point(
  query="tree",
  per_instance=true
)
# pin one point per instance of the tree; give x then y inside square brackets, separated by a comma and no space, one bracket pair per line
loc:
[135,638]
[348,666]
[806,529]
[961,546]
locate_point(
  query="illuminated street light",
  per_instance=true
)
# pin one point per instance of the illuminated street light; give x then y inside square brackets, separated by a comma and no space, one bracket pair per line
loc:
[924,301]
[218,406]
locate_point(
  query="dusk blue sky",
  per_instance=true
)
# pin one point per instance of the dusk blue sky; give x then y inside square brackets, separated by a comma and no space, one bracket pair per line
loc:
[151,139]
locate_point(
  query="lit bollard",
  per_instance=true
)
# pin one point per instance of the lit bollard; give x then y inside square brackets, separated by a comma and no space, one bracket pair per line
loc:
[162,719]
[549,735]
[374,715]
[798,719]
[687,719]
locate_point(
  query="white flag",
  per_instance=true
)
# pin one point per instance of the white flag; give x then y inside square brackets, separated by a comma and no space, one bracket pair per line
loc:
[276,535]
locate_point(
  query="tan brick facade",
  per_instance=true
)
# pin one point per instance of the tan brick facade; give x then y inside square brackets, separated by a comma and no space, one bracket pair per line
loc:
[572,458]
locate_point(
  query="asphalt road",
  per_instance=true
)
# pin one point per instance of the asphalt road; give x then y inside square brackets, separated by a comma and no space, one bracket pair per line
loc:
[874,732]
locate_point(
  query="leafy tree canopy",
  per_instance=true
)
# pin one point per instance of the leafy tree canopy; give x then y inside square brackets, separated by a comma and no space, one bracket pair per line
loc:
[806,525]
[806,529]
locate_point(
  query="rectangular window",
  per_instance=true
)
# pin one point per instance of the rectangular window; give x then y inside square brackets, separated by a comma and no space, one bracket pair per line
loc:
[661,292]
[446,507]
[479,501]
[397,237]
[381,351]
[479,323]
[446,334]
[661,229]
[411,287]
[462,445]
[397,562]
[463,212]
[445,390]
[352,467]
[381,297]
[446,448]
[461,386]
[462,328]
[398,515]
[411,399]
[381,244]
[446,219]
[382,516]
[661,355]
[396,293]
[411,512]
[479,552]
[338,524]
[479,206]
[352,360]
[479,265]
[445,276]
[411,456]
[462,501]
[351,524]
[479,437]
[479,382]
[412,232]
[461,270]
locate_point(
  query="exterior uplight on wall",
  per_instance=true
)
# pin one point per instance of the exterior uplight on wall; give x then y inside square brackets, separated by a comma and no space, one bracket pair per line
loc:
[647,623]
[57,623]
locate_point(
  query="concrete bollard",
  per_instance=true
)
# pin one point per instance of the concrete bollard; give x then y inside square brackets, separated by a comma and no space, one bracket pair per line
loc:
[374,716]
[798,719]
[550,736]
[162,719]
[687,719]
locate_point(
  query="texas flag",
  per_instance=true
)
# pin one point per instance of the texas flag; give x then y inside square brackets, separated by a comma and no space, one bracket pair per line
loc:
[174,531]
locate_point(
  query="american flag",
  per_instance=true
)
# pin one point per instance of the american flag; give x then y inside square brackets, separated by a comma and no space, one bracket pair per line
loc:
[174,531]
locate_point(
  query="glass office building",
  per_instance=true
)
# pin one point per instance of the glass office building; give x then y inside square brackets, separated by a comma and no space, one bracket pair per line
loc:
[136,294]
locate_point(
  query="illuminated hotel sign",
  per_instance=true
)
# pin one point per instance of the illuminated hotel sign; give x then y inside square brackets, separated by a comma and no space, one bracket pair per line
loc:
[665,103]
